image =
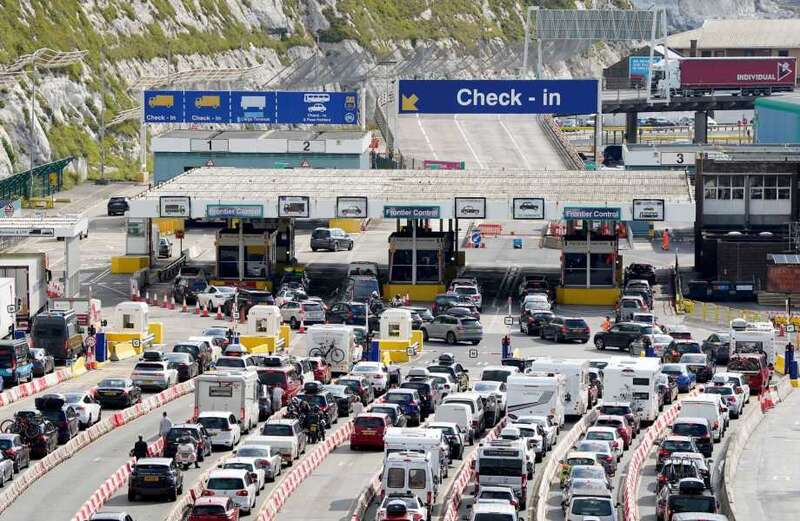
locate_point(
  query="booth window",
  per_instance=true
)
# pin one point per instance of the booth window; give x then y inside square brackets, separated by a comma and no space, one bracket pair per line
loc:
[427,266]
[723,187]
[574,269]
[601,269]
[401,268]
[127,321]
[228,260]
[394,330]
[770,187]
[261,326]
[136,228]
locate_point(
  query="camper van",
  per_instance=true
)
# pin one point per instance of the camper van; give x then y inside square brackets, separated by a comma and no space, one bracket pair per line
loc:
[753,337]
[576,372]
[333,342]
[233,392]
[504,463]
[633,380]
[533,395]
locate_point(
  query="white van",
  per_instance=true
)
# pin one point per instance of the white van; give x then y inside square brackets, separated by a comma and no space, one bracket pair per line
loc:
[234,392]
[705,406]
[424,441]
[334,343]
[537,396]
[504,463]
[456,413]
[410,472]
[576,372]
[498,373]
[475,403]
[634,380]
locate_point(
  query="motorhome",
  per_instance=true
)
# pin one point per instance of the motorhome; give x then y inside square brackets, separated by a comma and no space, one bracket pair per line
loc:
[576,372]
[753,337]
[533,395]
[333,342]
[425,441]
[633,380]
[234,392]
[504,463]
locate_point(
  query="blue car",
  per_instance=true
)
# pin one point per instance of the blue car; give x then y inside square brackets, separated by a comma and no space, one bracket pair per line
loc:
[685,379]
[409,402]
[16,362]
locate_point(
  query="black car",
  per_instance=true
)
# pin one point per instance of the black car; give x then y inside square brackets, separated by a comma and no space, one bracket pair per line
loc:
[195,431]
[14,449]
[622,335]
[344,397]
[425,389]
[200,351]
[328,405]
[246,299]
[531,321]
[424,313]
[718,347]
[351,314]
[677,348]
[155,477]
[443,302]
[117,392]
[38,432]
[560,329]
[641,272]
[668,388]
[42,362]
[117,206]
[699,364]
[360,386]
[187,287]
[393,411]
[184,363]
[455,370]
[53,407]
[454,441]
[690,495]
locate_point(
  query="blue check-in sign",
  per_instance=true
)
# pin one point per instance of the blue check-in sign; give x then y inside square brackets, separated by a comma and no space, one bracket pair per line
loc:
[163,106]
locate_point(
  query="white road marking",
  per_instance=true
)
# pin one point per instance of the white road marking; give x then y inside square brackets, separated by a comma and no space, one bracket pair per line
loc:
[466,140]
[425,135]
[514,142]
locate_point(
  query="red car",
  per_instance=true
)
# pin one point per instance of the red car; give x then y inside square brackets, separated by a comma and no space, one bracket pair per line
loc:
[618,422]
[754,368]
[369,429]
[285,377]
[322,371]
[214,508]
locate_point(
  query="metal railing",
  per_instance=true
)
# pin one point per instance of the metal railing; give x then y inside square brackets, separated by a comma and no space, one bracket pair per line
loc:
[567,151]
[171,270]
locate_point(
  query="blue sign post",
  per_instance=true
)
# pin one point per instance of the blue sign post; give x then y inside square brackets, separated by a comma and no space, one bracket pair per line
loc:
[498,97]
[476,238]
[321,108]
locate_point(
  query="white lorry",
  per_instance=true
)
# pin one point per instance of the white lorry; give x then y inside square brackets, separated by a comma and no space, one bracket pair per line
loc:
[333,342]
[576,372]
[633,380]
[30,274]
[234,392]
[753,337]
[8,307]
[533,395]
[425,441]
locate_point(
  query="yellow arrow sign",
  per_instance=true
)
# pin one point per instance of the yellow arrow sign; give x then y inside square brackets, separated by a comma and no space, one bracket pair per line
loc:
[409,103]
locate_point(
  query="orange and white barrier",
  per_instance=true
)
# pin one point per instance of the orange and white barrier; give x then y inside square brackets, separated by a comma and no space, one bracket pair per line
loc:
[96,431]
[280,494]
[36,386]
[110,486]
[490,230]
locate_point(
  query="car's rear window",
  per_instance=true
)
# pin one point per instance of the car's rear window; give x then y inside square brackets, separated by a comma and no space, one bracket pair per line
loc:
[724,391]
[744,364]
[213,423]
[469,322]
[465,290]
[575,322]
[600,435]
[311,306]
[615,410]
[321,234]
[148,367]
[677,445]
[705,504]
[208,510]
[399,397]
[689,429]
[369,423]
[270,429]
[231,362]
[225,484]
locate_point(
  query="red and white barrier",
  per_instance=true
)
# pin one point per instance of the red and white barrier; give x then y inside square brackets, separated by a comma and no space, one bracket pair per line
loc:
[465,476]
[99,429]
[110,486]
[640,455]
[366,497]
[280,494]
[36,386]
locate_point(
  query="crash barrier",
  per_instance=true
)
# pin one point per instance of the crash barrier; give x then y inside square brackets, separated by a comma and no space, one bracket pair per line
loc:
[35,386]
[110,486]
[640,455]
[120,351]
[490,230]
[748,423]
[99,429]
[465,475]
[567,151]
[537,509]
[281,493]
[359,508]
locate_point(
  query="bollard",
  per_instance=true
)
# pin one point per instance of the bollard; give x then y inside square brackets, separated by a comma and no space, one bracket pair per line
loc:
[184,307]
[205,310]
[219,313]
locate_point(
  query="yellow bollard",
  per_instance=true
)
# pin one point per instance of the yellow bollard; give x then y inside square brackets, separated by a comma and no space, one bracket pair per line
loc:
[703,310]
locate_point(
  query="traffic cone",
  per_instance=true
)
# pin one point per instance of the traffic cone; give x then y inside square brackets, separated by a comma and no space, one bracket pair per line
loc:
[165,305]
[197,308]
[172,302]
[184,308]
[219,313]
[302,328]
[205,310]
[408,300]
[147,297]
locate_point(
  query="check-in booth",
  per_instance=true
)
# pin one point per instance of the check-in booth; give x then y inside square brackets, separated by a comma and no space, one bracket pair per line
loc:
[264,332]
[417,261]
[245,254]
[131,330]
[398,340]
[590,260]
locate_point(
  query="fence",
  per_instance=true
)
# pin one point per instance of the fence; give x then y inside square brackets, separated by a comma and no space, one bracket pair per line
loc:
[722,315]
[568,152]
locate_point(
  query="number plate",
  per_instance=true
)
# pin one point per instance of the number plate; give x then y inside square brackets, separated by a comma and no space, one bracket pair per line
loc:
[151,478]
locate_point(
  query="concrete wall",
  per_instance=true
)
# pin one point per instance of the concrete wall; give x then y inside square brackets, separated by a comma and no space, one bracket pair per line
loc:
[170,164]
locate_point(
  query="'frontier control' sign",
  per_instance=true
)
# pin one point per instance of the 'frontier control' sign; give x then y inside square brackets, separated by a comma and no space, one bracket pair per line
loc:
[411,212]
[589,214]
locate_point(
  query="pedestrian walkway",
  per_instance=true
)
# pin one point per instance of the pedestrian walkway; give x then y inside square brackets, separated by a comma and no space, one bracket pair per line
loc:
[766,478]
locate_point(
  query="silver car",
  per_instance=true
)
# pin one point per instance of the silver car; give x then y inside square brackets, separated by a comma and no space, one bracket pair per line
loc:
[453,329]
[584,508]
[6,470]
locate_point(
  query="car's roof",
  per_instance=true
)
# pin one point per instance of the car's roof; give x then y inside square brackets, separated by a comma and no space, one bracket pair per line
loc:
[227,473]
[154,461]
[487,507]
[214,414]
[616,404]
[211,500]
[601,428]
[677,438]
[280,421]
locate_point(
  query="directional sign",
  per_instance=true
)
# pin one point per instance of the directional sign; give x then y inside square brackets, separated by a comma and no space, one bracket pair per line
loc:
[163,106]
[253,107]
[476,237]
[639,66]
[498,97]
[317,107]
[207,106]
[473,353]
